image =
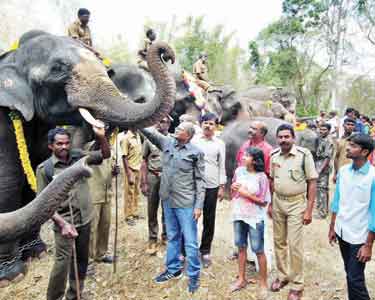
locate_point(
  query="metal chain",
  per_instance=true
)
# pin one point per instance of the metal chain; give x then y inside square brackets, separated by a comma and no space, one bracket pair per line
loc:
[7,264]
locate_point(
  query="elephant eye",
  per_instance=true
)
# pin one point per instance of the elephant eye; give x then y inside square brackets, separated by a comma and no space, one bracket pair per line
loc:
[56,68]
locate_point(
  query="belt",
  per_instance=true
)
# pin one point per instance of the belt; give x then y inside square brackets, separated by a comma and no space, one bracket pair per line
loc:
[291,197]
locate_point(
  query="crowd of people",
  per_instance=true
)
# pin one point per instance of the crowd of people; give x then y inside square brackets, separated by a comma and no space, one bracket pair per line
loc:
[183,173]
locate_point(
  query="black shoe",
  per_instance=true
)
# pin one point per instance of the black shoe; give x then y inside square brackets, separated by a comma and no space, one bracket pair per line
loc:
[166,276]
[106,259]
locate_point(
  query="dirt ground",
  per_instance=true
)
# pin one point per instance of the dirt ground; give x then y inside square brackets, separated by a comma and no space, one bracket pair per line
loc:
[324,275]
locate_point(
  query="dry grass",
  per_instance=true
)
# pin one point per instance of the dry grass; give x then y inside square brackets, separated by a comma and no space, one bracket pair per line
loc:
[324,275]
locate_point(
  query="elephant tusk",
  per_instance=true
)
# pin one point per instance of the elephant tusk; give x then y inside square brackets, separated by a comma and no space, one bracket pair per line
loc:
[90,119]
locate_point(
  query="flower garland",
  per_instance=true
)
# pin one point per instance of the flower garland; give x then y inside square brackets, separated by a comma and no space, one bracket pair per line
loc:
[22,149]
[112,139]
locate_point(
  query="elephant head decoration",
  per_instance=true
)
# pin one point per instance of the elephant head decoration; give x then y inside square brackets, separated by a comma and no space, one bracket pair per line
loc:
[53,80]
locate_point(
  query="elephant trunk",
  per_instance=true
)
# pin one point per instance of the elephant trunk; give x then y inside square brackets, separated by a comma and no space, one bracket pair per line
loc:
[16,224]
[100,97]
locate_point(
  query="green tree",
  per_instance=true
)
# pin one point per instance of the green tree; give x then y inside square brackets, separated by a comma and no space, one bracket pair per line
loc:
[191,37]
[118,50]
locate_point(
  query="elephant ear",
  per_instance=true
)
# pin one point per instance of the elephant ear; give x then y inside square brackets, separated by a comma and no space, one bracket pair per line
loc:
[15,93]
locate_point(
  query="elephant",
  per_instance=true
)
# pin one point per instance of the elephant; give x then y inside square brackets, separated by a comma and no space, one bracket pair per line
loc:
[257,101]
[135,81]
[236,133]
[54,80]
[264,93]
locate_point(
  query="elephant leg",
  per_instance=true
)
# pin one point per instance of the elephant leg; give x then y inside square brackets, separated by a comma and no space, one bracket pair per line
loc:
[33,245]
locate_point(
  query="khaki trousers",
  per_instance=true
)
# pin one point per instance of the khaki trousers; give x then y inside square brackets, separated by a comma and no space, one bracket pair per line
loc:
[63,266]
[132,195]
[288,235]
[100,226]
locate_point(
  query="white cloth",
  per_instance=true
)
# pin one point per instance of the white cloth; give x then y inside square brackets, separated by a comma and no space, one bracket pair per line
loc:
[214,159]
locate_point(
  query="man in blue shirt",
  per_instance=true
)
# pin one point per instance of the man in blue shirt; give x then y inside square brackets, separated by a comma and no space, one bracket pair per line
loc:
[182,191]
[359,127]
[353,214]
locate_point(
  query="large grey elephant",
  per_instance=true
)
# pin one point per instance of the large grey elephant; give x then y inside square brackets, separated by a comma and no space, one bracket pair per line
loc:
[51,80]
[138,83]
[257,101]
[236,133]
[275,94]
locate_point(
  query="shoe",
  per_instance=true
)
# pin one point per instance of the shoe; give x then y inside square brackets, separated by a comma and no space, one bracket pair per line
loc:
[152,248]
[206,260]
[166,276]
[295,295]
[277,285]
[106,259]
[193,285]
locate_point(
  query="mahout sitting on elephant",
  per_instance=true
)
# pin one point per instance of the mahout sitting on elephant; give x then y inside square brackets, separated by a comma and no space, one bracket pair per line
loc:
[51,80]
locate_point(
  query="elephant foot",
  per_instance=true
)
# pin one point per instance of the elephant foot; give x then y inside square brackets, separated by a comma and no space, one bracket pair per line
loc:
[12,274]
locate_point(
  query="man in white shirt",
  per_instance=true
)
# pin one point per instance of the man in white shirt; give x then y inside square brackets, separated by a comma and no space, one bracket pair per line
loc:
[353,214]
[215,179]
[334,122]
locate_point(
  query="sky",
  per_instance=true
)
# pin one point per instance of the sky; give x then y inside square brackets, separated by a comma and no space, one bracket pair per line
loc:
[247,18]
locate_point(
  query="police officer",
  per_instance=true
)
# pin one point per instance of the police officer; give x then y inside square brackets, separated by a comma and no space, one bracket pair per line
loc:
[293,179]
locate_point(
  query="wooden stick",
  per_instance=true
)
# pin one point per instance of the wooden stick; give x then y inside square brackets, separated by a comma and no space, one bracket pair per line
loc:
[116,208]
[75,264]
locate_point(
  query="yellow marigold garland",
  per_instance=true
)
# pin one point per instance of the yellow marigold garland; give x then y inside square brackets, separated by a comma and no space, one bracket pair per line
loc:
[113,137]
[22,149]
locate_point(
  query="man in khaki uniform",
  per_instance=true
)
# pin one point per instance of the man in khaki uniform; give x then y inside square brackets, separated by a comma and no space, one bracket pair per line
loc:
[79,29]
[150,186]
[131,147]
[73,217]
[340,158]
[100,187]
[293,179]
[200,72]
